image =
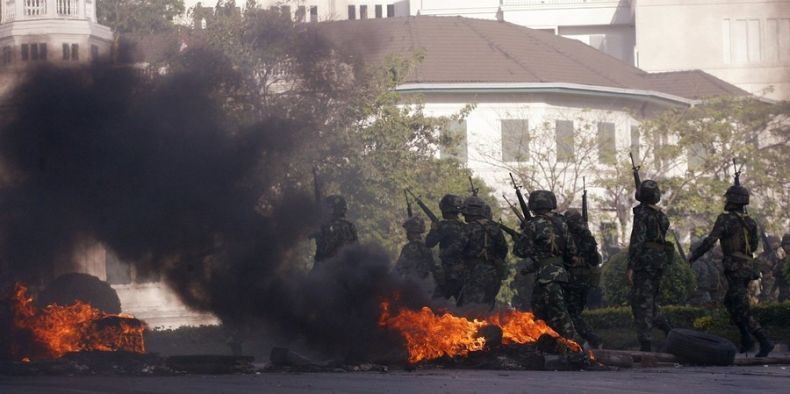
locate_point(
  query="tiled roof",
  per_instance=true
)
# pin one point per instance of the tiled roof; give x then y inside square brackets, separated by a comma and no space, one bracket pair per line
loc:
[458,50]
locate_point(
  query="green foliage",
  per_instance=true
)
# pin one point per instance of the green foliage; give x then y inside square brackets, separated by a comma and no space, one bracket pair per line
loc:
[138,16]
[676,285]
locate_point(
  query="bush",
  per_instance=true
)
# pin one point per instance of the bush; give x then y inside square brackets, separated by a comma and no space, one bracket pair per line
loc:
[676,286]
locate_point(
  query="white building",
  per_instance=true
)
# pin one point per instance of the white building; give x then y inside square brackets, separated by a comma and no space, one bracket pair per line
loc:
[744,42]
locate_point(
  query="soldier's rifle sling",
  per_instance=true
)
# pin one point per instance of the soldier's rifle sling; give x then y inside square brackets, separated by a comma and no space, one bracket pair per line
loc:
[424,207]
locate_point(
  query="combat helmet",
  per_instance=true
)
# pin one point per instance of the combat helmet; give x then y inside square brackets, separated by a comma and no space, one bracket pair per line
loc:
[451,204]
[649,193]
[542,200]
[573,215]
[336,205]
[414,224]
[737,194]
[474,206]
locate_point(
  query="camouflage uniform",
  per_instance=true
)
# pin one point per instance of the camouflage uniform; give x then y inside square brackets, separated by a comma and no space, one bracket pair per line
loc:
[783,274]
[738,235]
[484,252]
[549,248]
[584,275]
[648,256]
[416,260]
[336,233]
[447,233]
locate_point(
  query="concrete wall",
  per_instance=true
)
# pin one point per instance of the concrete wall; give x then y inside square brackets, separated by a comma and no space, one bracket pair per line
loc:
[744,42]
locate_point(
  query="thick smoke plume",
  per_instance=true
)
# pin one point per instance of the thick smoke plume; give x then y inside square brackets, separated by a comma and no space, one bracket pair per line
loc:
[160,173]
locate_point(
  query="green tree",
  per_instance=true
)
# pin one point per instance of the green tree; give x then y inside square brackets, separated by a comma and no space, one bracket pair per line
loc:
[138,16]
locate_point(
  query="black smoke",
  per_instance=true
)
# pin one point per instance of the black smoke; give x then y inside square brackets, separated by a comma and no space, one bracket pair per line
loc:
[166,176]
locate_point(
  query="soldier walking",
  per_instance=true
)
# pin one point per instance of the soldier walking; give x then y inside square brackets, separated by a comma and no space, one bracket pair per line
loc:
[484,250]
[584,274]
[336,233]
[416,260]
[737,233]
[447,234]
[549,248]
[648,257]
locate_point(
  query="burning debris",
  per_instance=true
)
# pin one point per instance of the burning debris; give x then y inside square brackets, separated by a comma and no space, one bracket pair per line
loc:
[53,331]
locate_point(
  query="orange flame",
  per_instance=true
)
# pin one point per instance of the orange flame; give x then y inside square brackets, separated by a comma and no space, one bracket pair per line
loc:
[56,330]
[429,335]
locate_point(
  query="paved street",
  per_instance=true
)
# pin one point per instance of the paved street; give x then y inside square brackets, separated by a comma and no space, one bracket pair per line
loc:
[658,380]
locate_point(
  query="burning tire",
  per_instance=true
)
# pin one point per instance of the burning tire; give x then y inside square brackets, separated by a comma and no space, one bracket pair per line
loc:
[67,288]
[700,348]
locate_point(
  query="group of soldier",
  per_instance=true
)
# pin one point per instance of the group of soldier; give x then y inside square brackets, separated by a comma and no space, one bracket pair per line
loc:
[559,259]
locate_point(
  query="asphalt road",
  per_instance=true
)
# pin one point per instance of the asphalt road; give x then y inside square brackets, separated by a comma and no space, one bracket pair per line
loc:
[680,380]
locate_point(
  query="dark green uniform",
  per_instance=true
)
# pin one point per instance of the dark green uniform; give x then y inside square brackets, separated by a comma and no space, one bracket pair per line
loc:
[648,257]
[484,252]
[415,261]
[332,237]
[447,234]
[584,275]
[547,242]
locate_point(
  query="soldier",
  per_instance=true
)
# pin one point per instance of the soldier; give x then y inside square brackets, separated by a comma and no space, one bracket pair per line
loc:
[548,248]
[416,260]
[648,257]
[584,274]
[737,233]
[767,261]
[484,250]
[336,233]
[783,276]
[447,234]
[707,280]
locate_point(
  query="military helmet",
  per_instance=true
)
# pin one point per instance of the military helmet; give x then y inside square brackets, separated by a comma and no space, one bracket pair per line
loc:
[573,215]
[737,195]
[649,193]
[474,206]
[542,200]
[414,224]
[336,204]
[451,203]
[786,239]
[487,212]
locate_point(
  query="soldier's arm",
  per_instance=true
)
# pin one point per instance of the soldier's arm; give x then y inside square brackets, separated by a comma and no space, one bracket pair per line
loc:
[638,237]
[589,249]
[457,242]
[754,235]
[719,228]
[433,238]
[501,244]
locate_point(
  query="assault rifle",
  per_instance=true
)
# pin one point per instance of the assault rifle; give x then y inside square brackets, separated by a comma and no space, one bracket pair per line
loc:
[472,188]
[738,172]
[508,230]
[680,248]
[585,215]
[637,179]
[521,202]
[514,209]
[408,204]
[424,207]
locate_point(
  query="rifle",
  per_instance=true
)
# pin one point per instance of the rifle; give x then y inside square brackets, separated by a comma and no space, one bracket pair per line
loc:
[680,248]
[510,231]
[408,204]
[585,215]
[514,209]
[637,180]
[521,202]
[472,187]
[316,186]
[424,207]
[737,172]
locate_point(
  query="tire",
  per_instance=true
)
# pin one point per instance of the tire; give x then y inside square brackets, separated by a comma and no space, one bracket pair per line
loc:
[67,288]
[700,348]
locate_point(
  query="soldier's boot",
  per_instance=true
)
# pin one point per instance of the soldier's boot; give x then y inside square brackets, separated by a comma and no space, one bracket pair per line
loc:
[747,343]
[645,346]
[765,344]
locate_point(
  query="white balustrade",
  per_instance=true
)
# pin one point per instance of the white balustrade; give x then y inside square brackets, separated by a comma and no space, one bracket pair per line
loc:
[35,7]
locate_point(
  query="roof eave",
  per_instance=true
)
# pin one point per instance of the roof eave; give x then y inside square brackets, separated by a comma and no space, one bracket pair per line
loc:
[542,87]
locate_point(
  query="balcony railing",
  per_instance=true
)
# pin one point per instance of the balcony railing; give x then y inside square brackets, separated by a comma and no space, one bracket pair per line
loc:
[35,7]
[67,8]
[38,9]
[561,2]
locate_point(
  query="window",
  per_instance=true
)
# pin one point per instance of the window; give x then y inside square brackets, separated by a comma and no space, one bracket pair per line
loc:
[606,143]
[742,41]
[363,12]
[564,139]
[94,52]
[455,141]
[7,55]
[34,52]
[515,140]
[75,52]
[352,12]
[390,10]
[300,13]
[313,13]
[25,52]
[379,12]
[635,141]
[66,51]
